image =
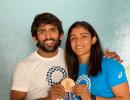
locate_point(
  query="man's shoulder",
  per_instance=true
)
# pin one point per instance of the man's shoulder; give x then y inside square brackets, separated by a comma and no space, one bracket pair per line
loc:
[29,59]
[61,50]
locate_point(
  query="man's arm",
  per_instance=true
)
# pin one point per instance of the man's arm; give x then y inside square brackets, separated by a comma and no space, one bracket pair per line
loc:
[17,95]
[45,98]
[112,54]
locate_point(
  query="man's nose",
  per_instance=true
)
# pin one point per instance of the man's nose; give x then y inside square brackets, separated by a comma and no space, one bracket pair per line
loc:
[48,34]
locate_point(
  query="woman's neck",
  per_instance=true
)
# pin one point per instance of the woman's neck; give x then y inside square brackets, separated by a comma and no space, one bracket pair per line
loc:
[84,59]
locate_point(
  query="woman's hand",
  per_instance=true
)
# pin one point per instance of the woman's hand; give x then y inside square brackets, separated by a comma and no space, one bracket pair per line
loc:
[82,91]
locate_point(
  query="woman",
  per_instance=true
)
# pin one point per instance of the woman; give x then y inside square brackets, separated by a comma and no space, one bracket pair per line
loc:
[105,78]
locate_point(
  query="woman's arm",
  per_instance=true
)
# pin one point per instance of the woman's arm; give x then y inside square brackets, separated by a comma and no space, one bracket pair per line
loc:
[120,91]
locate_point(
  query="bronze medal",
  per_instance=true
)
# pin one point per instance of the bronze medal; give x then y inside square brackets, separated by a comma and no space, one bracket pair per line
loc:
[68,83]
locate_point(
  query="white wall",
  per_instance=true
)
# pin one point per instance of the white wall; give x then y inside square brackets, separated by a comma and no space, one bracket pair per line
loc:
[111,19]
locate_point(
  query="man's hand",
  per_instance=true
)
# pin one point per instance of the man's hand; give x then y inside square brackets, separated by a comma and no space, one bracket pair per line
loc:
[112,54]
[57,92]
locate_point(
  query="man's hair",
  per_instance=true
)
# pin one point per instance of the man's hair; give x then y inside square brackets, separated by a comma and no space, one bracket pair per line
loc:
[45,18]
[96,55]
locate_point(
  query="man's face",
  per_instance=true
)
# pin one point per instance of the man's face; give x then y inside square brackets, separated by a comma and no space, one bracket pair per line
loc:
[48,37]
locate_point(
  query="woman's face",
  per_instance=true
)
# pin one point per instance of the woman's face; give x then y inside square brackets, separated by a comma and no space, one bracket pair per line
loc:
[81,41]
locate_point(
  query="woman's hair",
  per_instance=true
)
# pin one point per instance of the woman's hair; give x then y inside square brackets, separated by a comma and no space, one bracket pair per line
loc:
[96,55]
[45,18]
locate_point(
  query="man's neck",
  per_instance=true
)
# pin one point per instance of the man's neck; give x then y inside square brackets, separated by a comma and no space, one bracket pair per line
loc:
[47,54]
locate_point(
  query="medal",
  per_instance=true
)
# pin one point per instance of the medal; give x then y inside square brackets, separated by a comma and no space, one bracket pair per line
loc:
[67,83]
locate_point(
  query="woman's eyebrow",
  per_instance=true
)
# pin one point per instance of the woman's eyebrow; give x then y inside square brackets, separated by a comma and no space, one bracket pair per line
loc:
[86,33]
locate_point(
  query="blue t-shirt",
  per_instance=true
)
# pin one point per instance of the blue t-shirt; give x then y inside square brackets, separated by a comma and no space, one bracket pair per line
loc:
[113,74]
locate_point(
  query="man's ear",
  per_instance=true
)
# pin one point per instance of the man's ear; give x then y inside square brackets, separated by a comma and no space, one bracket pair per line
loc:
[34,39]
[94,40]
[61,36]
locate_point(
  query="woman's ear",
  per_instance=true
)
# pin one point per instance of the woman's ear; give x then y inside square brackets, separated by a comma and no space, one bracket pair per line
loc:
[94,39]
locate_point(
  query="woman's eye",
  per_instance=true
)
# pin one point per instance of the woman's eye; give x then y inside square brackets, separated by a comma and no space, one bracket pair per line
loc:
[72,38]
[84,36]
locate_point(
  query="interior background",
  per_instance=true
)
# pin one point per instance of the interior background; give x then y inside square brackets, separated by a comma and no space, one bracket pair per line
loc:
[111,19]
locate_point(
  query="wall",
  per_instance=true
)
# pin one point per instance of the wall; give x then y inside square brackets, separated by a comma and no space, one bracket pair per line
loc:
[109,17]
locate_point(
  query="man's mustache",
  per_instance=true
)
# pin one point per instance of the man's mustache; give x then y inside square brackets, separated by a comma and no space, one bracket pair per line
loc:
[51,39]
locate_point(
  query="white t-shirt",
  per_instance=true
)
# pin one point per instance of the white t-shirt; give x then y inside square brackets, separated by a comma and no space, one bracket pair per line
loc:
[36,74]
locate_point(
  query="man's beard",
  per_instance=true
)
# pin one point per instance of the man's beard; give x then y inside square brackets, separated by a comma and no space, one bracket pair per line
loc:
[46,48]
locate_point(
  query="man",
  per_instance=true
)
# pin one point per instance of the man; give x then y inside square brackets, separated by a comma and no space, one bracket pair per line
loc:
[43,69]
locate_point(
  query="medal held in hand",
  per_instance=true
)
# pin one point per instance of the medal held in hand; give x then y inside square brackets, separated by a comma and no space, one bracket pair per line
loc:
[67,83]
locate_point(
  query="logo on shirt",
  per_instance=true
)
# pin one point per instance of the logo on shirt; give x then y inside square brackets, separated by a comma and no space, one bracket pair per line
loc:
[84,79]
[55,75]
[119,74]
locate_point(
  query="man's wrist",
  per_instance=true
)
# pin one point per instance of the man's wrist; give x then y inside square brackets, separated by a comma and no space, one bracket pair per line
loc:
[93,97]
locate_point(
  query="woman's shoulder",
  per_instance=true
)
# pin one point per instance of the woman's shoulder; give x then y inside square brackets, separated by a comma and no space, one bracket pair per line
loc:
[114,71]
[110,60]
[111,63]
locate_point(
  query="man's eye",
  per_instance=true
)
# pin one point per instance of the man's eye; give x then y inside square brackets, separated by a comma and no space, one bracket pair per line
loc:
[53,30]
[41,31]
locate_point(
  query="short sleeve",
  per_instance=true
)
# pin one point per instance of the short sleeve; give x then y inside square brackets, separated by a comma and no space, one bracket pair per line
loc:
[20,79]
[116,73]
